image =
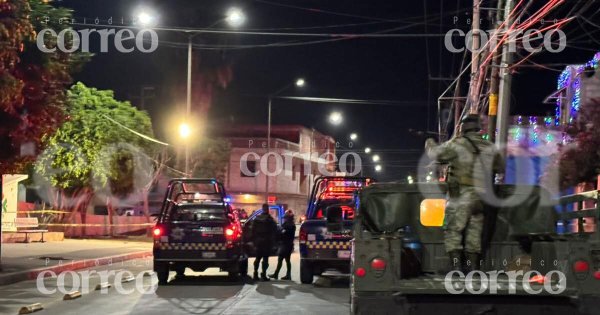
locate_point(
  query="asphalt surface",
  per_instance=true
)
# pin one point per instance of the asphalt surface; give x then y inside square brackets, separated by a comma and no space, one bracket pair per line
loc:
[210,292]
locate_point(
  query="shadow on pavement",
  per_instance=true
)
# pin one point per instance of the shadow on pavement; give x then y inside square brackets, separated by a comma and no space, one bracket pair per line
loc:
[207,280]
[323,288]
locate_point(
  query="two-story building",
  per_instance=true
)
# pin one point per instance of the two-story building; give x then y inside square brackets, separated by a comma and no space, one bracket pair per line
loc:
[281,173]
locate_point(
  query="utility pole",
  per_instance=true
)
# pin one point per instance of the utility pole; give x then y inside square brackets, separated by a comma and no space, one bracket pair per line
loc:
[494,78]
[188,107]
[505,81]
[475,56]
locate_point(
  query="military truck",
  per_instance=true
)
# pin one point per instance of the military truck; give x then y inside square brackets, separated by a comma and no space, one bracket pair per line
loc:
[399,265]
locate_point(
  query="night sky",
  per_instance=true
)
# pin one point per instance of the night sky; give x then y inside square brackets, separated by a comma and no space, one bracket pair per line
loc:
[231,83]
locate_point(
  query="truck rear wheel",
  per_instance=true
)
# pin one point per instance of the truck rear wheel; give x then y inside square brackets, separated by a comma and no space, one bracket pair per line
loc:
[306,273]
[244,267]
[162,272]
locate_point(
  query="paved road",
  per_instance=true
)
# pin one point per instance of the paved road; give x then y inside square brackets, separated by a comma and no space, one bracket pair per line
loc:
[197,293]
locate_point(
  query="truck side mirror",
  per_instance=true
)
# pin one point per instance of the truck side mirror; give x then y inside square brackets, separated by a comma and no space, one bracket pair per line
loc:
[334,219]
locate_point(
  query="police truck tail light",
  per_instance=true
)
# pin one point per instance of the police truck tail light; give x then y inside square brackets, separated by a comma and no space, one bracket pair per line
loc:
[157,231]
[581,266]
[232,233]
[302,236]
[360,272]
[597,275]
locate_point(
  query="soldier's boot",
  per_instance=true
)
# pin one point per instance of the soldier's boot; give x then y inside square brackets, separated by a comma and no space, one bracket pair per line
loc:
[455,260]
[256,276]
[288,275]
[472,261]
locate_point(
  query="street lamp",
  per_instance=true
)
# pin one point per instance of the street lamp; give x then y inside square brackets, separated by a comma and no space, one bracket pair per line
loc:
[235,17]
[299,83]
[410,179]
[378,168]
[353,136]
[376,158]
[184,130]
[336,118]
[367,150]
[145,17]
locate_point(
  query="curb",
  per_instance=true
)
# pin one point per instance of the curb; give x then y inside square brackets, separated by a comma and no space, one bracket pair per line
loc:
[31,274]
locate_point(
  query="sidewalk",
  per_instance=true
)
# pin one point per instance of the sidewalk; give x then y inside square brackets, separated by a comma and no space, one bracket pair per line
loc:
[24,261]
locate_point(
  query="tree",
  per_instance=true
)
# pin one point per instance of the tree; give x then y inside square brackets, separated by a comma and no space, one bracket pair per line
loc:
[101,148]
[580,161]
[32,83]
[211,158]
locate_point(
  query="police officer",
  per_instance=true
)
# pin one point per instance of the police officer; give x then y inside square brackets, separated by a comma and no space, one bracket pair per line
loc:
[264,231]
[286,245]
[472,163]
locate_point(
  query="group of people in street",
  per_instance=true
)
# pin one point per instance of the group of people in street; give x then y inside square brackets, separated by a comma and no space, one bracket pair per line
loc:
[268,238]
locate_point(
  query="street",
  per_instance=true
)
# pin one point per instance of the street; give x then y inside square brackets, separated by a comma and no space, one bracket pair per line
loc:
[210,292]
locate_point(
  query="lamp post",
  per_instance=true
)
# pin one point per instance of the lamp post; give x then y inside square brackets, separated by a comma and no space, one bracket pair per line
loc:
[234,17]
[299,83]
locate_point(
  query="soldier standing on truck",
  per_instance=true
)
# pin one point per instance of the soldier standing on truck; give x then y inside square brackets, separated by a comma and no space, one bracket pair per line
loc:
[472,163]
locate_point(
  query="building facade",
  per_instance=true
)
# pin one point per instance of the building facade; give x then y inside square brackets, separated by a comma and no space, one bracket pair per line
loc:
[280,174]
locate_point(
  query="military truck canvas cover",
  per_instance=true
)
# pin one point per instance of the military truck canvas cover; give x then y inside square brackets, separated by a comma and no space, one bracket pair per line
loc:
[529,210]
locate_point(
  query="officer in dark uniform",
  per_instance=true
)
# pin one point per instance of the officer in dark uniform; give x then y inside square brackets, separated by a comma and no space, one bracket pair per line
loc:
[286,245]
[264,231]
[472,163]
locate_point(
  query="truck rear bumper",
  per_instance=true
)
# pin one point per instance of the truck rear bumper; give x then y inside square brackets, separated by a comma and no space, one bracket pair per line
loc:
[389,303]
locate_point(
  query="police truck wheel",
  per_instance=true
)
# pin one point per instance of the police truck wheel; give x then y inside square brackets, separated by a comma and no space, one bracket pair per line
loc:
[244,268]
[306,274]
[162,272]
[180,270]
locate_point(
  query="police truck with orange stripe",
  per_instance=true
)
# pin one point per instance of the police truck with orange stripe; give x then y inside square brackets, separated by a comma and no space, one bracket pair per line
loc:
[197,229]
[331,203]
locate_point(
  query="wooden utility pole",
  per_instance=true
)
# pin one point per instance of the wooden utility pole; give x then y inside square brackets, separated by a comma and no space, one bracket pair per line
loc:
[505,81]
[475,56]
[494,78]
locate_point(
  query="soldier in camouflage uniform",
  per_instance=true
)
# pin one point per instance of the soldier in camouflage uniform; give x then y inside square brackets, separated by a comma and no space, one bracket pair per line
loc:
[472,163]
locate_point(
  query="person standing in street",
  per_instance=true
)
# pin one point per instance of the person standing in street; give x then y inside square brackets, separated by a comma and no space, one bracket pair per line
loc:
[286,245]
[264,231]
[472,163]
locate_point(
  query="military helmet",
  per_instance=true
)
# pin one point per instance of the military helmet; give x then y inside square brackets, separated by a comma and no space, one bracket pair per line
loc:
[470,123]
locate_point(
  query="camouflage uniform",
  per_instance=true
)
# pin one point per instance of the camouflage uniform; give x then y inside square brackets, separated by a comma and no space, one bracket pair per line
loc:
[472,163]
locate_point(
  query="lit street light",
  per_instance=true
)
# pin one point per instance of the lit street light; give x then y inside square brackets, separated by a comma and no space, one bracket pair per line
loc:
[335,118]
[353,136]
[235,17]
[378,168]
[300,82]
[145,17]
[376,158]
[367,150]
[184,130]
[410,179]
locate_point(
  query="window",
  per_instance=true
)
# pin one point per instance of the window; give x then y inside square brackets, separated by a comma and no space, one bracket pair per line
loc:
[197,214]
[251,168]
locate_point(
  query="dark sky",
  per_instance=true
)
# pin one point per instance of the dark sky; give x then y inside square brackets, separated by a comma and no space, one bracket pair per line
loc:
[363,68]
